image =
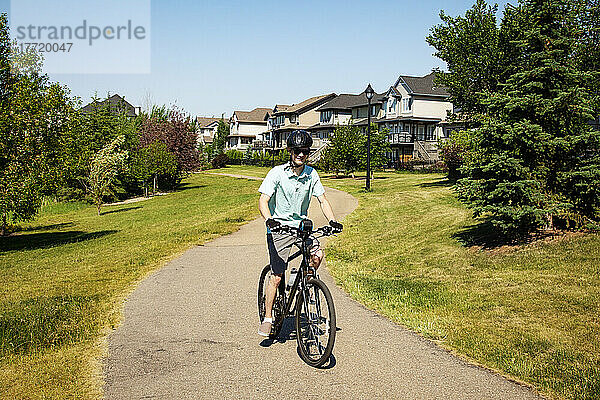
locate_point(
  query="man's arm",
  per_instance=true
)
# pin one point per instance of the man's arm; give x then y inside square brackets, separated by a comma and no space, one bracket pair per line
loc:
[263,206]
[326,208]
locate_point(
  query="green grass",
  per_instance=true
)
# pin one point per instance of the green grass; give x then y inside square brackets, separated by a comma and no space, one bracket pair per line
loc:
[64,277]
[246,170]
[530,312]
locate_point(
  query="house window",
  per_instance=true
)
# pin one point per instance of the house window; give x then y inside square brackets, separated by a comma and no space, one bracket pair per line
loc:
[421,132]
[430,132]
[293,119]
[373,111]
[406,104]
[325,116]
[392,104]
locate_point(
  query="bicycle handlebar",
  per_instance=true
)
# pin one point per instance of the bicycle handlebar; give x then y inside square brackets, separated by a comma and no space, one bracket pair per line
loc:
[326,230]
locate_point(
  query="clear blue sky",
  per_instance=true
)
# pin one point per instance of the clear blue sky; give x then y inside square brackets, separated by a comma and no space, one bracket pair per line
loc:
[213,57]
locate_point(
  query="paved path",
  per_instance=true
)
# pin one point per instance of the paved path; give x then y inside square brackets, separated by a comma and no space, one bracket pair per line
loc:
[189,332]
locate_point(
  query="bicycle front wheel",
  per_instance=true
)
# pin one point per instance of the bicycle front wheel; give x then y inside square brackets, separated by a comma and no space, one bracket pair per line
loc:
[315,323]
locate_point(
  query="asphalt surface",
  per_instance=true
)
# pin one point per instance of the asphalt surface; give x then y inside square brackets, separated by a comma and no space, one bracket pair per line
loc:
[190,332]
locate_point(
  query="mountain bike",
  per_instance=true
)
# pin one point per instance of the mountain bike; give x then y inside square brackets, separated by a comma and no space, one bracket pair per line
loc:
[308,299]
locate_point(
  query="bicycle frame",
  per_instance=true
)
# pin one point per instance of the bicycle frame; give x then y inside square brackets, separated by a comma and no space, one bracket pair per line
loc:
[305,253]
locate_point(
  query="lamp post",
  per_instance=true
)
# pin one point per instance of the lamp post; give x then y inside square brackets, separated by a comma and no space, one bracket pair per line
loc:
[369,92]
[273,143]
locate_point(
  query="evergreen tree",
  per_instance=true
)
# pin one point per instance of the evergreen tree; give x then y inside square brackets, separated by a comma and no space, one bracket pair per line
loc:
[220,139]
[537,156]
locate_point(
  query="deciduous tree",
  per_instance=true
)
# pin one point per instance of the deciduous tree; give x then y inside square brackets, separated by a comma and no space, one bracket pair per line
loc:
[104,167]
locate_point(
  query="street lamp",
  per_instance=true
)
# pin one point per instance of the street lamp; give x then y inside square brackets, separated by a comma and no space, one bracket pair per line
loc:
[369,92]
[273,142]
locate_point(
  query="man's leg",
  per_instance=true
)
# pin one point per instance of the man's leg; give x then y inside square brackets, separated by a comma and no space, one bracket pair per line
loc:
[270,294]
[316,258]
[316,254]
[279,250]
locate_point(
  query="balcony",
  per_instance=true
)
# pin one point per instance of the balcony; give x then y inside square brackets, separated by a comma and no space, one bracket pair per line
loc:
[400,138]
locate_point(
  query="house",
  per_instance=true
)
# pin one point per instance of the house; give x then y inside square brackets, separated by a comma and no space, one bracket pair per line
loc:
[247,126]
[206,128]
[414,110]
[286,118]
[337,111]
[115,103]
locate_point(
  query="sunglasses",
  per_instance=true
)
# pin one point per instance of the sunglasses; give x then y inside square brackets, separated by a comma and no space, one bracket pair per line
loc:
[305,151]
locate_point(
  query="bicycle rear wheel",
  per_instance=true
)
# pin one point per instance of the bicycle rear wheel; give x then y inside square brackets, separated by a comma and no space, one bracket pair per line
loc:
[315,323]
[278,304]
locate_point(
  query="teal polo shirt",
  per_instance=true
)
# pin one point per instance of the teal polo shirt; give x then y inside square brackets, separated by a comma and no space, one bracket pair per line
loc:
[290,193]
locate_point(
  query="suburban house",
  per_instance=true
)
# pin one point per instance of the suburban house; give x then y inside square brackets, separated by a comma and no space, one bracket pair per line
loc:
[247,126]
[206,128]
[414,111]
[115,103]
[337,111]
[286,118]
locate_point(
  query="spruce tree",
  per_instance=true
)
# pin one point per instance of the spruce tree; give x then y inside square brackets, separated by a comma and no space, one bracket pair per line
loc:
[537,156]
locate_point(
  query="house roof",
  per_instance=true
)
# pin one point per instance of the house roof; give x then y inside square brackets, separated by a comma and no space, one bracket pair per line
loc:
[421,85]
[281,107]
[259,114]
[203,122]
[306,103]
[342,102]
[115,103]
[377,99]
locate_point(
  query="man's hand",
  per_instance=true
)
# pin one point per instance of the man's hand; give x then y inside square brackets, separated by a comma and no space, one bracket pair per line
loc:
[272,224]
[336,226]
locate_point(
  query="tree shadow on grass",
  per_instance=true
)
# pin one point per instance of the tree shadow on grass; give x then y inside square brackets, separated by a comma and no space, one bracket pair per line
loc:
[47,227]
[48,239]
[445,182]
[484,235]
[375,178]
[120,210]
[187,186]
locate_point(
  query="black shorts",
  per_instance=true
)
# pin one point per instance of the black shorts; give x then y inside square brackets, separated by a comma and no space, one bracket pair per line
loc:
[279,246]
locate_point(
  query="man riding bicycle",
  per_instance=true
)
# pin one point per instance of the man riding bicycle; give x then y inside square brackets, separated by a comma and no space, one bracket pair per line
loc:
[285,196]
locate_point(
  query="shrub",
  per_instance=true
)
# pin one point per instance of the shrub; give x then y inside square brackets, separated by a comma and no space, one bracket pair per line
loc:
[220,161]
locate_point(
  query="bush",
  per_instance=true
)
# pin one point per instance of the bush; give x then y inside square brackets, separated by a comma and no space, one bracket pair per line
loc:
[455,151]
[235,157]
[220,161]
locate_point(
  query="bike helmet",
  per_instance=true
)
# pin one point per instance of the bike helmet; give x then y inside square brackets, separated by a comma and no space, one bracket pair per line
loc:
[299,139]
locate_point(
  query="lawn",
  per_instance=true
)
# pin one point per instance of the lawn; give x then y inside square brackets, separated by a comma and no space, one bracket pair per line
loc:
[414,254]
[246,170]
[65,275]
